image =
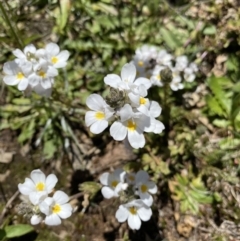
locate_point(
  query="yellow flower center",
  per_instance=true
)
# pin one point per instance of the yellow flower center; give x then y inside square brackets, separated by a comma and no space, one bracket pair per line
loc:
[140,63]
[99,115]
[133,210]
[132,126]
[54,59]
[40,186]
[142,101]
[114,183]
[56,208]
[158,77]
[42,74]
[144,188]
[20,75]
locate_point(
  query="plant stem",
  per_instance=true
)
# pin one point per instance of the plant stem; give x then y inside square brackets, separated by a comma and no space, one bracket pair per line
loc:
[8,21]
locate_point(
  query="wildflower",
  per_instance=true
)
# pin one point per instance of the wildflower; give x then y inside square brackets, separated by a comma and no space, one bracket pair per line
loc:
[134,212]
[127,79]
[156,77]
[113,183]
[57,58]
[101,114]
[43,75]
[131,125]
[15,75]
[181,62]
[154,111]
[38,186]
[164,58]
[145,187]
[56,208]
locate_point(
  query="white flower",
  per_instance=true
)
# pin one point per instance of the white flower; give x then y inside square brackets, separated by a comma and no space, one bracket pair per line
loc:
[131,126]
[114,183]
[38,186]
[43,75]
[156,77]
[176,81]
[35,219]
[55,57]
[164,58]
[154,111]
[194,67]
[181,62]
[15,75]
[189,75]
[145,186]
[101,114]
[127,80]
[133,212]
[56,208]
[29,57]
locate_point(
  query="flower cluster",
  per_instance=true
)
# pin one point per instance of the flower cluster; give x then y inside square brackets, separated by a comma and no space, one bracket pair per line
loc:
[38,206]
[149,61]
[134,191]
[34,69]
[127,106]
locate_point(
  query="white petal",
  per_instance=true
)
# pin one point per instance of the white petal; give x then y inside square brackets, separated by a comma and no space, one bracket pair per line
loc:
[53,220]
[104,178]
[107,192]
[66,211]
[134,222]
[10,80]
[122,214]
[155,109]
[112,80]
[35,219]
[95,102]
[118,131]
[45,206]
[159,127]
[23,84]
[52,49]
[38,176]
[52,72]
[46,83]
[19,54]
[34,79]
[152,187]
[128,73]
[29,48]
[37,197]
[144,213]
[120,174]
[60,197]
[90,118]
[146,198]
[99,126]
[43,92]
[135,139]
[143,81]
[10,68]
[142,176]
[51,181]
[27,187]
[125,112]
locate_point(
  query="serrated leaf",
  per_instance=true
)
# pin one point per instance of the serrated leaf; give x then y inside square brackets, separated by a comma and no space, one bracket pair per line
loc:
[18,230]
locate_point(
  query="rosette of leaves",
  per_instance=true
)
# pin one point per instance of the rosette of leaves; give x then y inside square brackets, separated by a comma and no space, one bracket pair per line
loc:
[190,192]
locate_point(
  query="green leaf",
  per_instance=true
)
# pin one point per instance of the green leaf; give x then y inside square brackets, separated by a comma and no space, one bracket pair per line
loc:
[2,234]
[169,38]
[13,231]
[210,30]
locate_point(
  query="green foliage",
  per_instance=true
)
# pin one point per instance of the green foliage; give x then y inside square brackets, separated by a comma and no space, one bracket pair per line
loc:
[190,192]
[13,231]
